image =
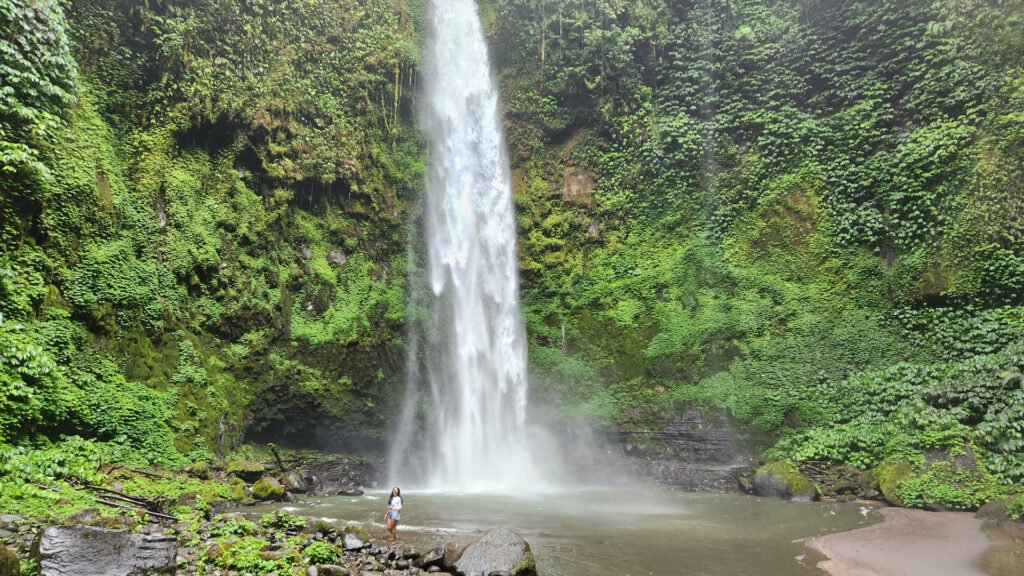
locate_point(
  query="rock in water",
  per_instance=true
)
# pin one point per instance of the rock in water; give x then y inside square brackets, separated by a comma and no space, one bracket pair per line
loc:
[499,550]
[295,482]
[781,479]
[79,550]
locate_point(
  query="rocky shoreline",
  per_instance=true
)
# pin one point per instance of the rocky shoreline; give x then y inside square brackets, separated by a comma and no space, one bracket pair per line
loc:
[179,522]
[172,528]
[232,544]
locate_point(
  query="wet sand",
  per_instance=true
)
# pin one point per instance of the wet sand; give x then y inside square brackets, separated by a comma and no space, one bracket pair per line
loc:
[907,543]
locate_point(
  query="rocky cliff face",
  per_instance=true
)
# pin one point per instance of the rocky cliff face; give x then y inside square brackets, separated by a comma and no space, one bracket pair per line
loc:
[699,450]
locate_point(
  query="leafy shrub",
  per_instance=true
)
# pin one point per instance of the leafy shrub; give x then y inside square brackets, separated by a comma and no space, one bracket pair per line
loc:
[235,528]
[243,555]
[283,521]
[943,484]
[321,553]
[1016,508]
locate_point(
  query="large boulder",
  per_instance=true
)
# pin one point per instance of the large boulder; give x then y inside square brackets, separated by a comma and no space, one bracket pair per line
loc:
[294,481]
[889,475]
[782,479]
[267,488]
[248,471]
[79,550]
[499,550]
[996,514]
[949,478]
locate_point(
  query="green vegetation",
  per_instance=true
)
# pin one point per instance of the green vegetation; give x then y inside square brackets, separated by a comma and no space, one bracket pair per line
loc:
[1016,508]
[808,214]
[201,219]
[244,555]
[283,521]
[805,214]
[322,553]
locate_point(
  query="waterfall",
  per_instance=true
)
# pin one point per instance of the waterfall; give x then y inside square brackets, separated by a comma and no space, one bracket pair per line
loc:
[463,423]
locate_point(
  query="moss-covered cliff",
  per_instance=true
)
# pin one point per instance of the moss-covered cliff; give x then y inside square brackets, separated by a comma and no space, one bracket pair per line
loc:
[202,219]
[808,213]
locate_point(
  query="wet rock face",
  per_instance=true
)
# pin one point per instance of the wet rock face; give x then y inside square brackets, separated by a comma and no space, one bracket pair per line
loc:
[499,551]
[700,451]
[79,550]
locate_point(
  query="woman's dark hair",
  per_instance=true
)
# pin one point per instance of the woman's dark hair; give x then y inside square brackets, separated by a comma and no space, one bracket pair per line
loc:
[392,495]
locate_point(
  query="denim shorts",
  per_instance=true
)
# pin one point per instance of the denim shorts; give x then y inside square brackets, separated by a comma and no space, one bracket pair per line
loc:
[394,515]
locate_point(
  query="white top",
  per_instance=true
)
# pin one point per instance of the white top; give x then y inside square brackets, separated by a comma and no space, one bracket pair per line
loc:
[396,503]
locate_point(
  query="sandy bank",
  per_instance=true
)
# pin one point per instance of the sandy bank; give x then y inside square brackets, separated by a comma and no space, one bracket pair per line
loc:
[907,543]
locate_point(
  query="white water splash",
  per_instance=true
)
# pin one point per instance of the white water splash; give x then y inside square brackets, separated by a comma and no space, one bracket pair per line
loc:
[474,416]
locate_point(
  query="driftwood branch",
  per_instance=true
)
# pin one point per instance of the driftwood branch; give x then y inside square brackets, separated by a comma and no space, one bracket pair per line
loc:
[277,456]
[137,500]
[148,473]
[141,511]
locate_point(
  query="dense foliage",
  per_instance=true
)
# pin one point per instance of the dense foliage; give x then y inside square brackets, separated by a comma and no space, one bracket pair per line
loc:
[201,219]
[808,213]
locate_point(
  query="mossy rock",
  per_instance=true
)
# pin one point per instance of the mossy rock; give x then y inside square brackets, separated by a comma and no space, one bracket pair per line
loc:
[946,485]
[248,471]
[9,564]
[889,475]
[267,488]
[358,532]
[744,484]
[200,470]
[238,487]
[782,479]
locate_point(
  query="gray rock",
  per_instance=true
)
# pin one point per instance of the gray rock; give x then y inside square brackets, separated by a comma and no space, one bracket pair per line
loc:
[9,521]
[500,550]
[352,542]
[312,571]
[84,516]
[337,257]
[294,481]
[332,570]
[79,550]
[432,558]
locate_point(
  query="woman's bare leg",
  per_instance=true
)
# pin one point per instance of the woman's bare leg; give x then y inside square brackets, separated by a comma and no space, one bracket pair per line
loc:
[391,529]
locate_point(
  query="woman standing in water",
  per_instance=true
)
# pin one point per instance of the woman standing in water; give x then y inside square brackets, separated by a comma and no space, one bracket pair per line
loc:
[394,507]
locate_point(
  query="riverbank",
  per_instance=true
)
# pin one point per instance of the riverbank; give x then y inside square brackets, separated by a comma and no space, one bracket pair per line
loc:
[911,542]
